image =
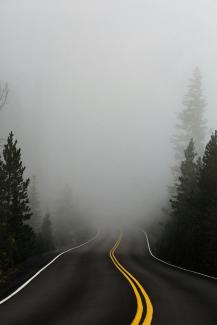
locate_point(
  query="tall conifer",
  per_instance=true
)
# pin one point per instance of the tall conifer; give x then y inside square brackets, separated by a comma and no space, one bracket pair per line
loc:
[191,122]
[178,242]
[16,201]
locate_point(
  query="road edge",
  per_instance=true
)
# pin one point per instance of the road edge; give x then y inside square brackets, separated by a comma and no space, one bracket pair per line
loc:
[172,265]
[46,266]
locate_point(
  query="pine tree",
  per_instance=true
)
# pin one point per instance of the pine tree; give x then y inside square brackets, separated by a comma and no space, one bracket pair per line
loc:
[190,239]
[191,122]
[16,201]
[208,173]
[6,241]
[210,238]
[47,234]
[35,220]
[178,242]
[208,205]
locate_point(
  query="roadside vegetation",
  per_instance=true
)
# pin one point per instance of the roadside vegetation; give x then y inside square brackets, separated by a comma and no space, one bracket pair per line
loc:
[18,240]
[189,236]
[25,231]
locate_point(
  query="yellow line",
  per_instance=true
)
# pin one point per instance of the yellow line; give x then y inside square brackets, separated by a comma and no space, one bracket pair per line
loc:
[139,312]
[135,286]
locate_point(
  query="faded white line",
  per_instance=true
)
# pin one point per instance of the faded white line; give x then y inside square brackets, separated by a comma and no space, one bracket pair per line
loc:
[172,265]
[42,269]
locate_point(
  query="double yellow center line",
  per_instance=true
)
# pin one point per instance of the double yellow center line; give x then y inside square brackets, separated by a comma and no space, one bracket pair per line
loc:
[137,288]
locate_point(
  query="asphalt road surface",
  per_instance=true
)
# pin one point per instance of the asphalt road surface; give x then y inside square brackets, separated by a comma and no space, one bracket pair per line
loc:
[113,280]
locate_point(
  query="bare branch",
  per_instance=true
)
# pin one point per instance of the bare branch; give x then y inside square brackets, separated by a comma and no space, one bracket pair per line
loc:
[3,95]
[2,142]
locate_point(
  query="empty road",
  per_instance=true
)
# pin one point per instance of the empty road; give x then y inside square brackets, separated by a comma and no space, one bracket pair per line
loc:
[113,280]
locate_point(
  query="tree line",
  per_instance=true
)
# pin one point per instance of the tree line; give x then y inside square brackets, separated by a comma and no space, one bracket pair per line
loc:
[189,238]
[19,239]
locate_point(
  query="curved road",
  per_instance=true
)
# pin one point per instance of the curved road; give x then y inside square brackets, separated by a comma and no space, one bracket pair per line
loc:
[89,286]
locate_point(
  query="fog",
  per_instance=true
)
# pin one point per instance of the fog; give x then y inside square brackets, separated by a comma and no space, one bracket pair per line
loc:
[94,91]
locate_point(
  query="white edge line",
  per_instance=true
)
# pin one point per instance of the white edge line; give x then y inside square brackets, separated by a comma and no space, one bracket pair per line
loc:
[174,266]
[43,268]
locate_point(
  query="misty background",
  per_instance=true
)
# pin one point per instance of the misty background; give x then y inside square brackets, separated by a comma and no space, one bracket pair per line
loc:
[94,91]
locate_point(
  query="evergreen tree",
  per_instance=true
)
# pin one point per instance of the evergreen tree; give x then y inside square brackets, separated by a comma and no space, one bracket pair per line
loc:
[16,201]
[191,122]
[47,234]
[178,242]
[190,237]
[6,241]
[208,173]
[210,237]
[207,204]
[35,220]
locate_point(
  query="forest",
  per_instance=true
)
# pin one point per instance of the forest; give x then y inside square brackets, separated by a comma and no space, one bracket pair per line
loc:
[25,231]
[188,238]
[108,162]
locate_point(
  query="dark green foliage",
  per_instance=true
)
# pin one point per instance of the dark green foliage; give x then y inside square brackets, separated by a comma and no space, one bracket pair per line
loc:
[17,238]
[211,239]
[15,187]
[190,236]
[181,230]
[207,204]
[208,173]
[4,239]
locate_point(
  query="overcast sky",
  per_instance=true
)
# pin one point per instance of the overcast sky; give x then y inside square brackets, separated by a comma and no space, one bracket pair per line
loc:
[94,88]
